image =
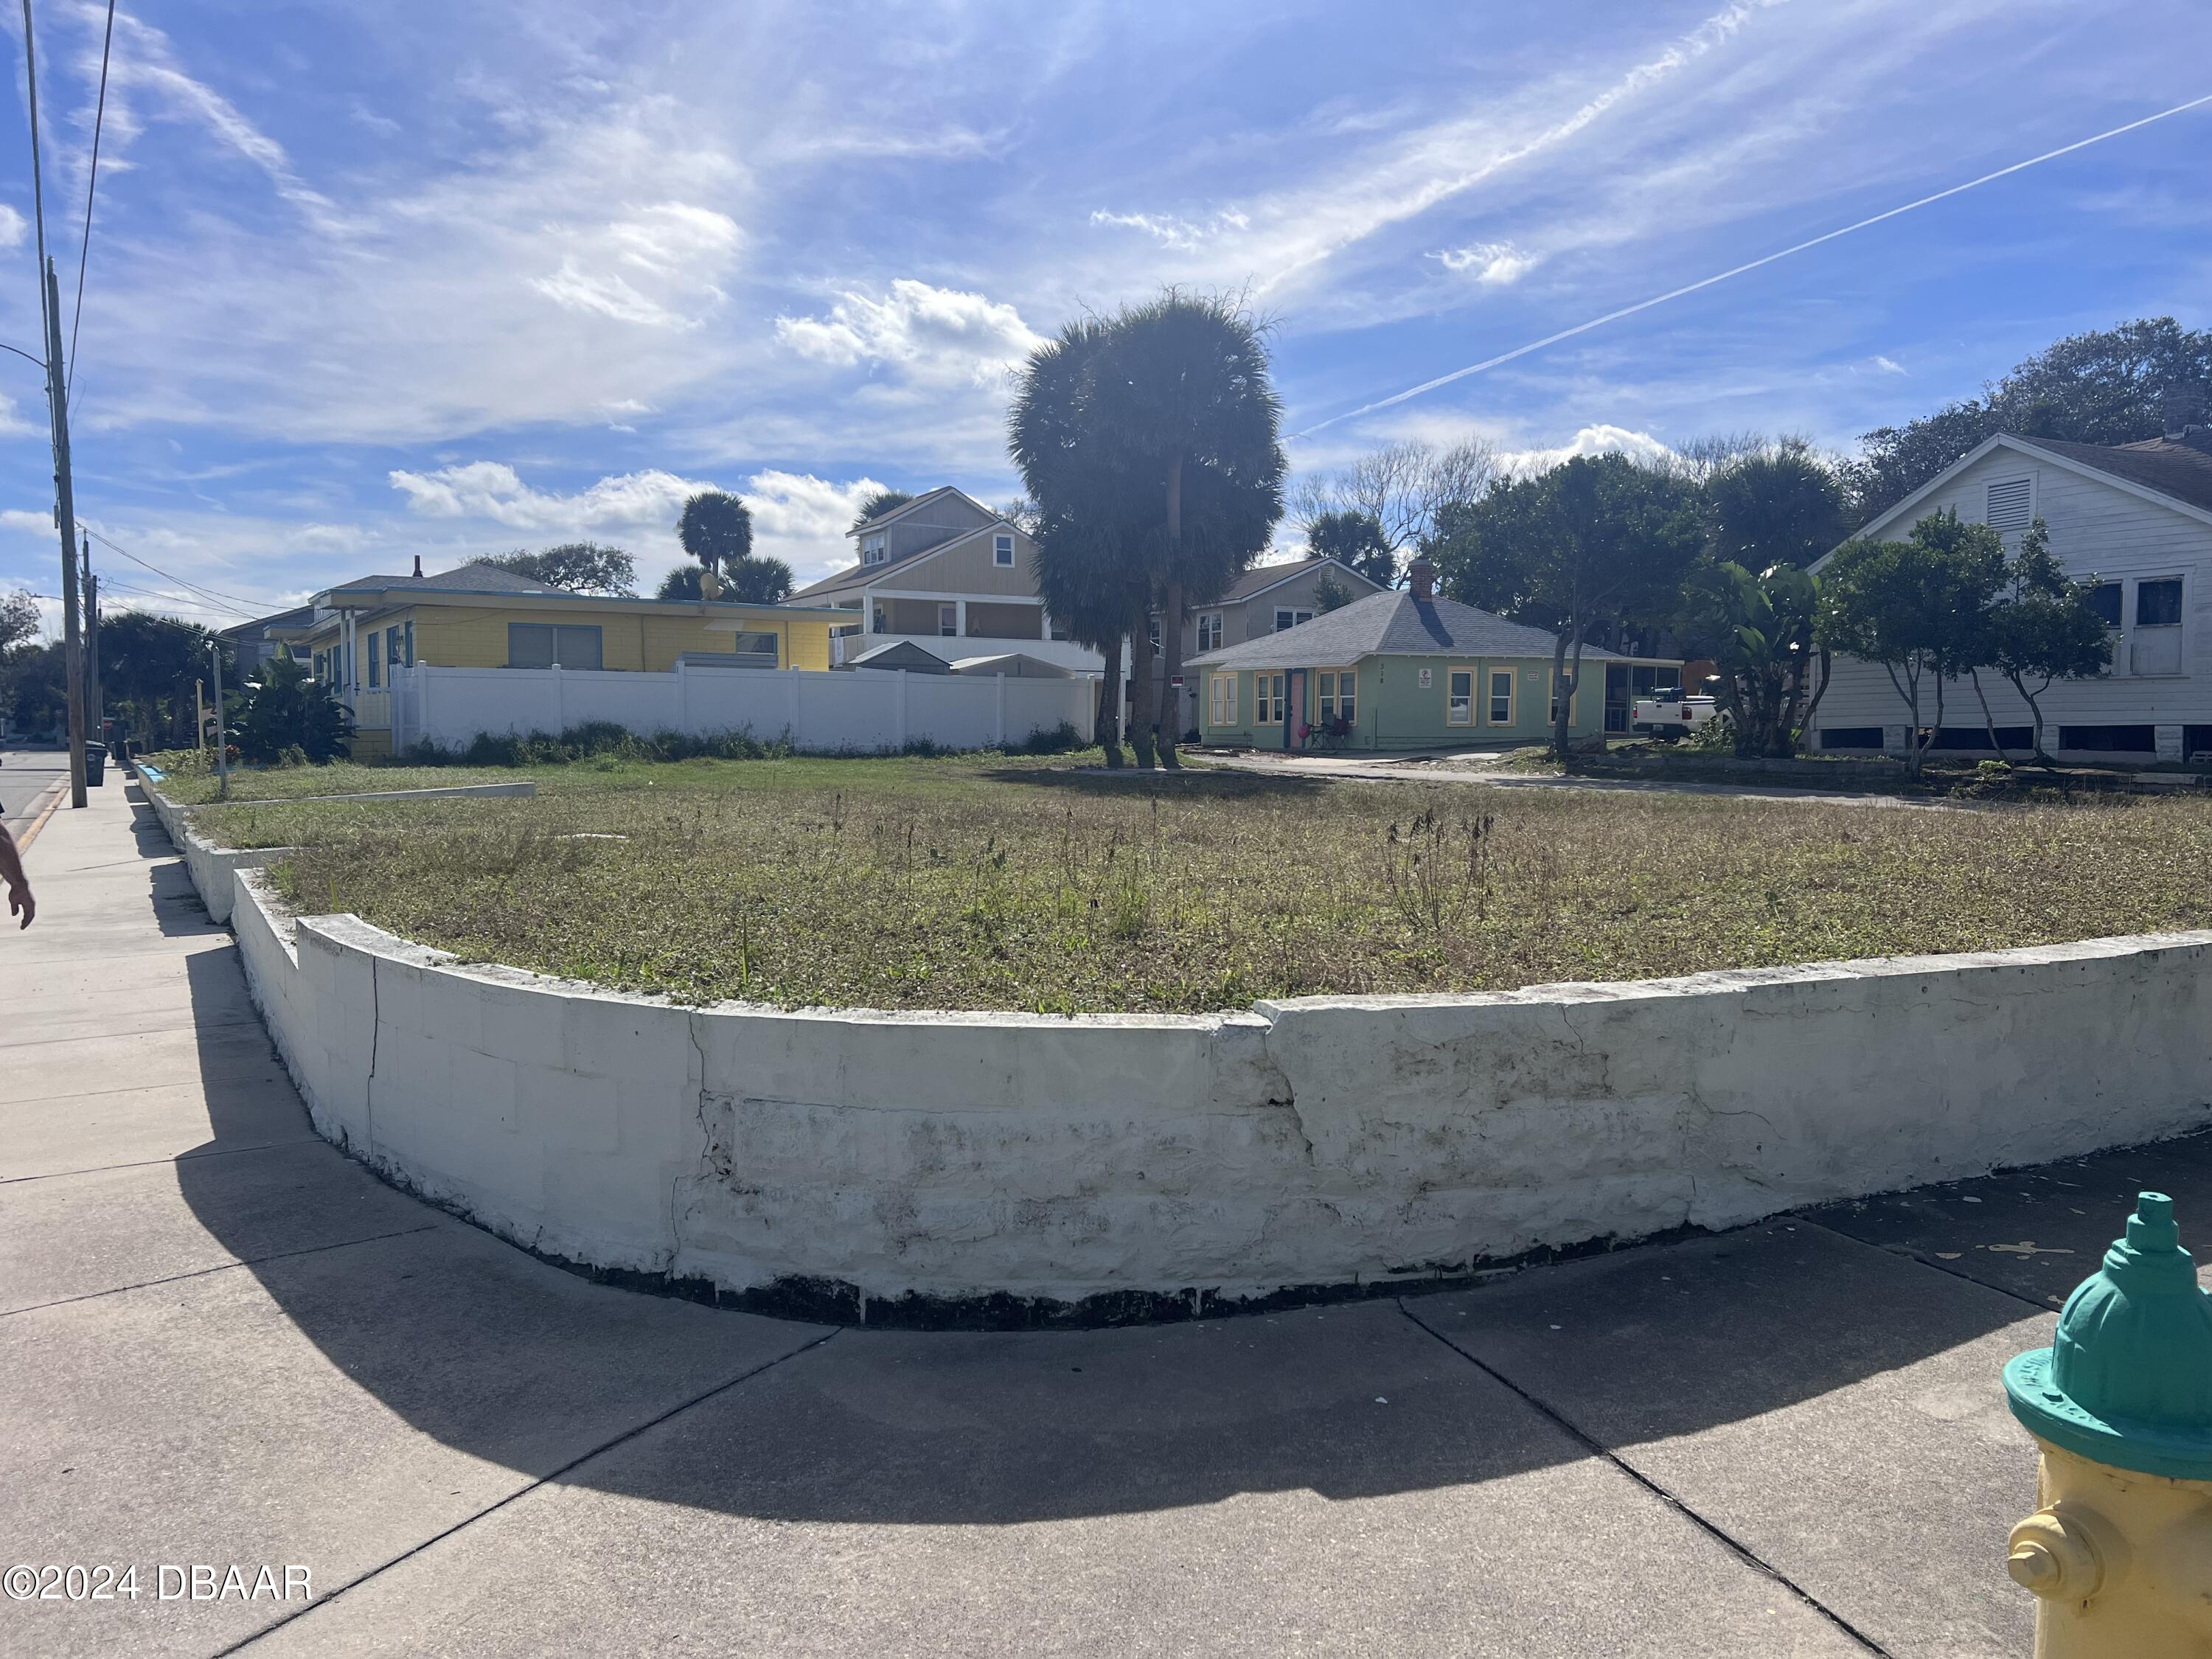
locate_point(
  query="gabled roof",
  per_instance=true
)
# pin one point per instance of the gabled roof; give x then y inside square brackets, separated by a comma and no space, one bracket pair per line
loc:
[1258,580]
[1392,624]
[2174,475]
[2180,470]
[918,503]
[866,575]
[900,653]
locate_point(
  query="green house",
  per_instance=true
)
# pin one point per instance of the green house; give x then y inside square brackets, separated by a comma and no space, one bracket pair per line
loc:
[1396,671]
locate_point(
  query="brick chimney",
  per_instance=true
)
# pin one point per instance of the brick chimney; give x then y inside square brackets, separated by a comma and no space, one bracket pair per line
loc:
[1421,578]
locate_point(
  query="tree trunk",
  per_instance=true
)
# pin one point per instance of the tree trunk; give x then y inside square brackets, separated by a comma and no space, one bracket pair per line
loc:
[2034,702]
[1562,691]
[1827,662]
[1171,623]
[1989,721]
[1108,730]
[1141,713]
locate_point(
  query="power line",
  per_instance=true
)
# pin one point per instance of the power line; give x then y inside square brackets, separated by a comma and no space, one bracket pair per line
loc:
[91,182]
[232,601]
[1752,264]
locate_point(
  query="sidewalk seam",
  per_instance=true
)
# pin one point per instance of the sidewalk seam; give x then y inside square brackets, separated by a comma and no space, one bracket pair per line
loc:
[545,1480]
[220,1267]
[149,1163]
[1734,1545]
[1944,1267]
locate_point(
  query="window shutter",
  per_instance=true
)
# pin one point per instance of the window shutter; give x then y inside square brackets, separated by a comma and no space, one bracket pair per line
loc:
[2011,504]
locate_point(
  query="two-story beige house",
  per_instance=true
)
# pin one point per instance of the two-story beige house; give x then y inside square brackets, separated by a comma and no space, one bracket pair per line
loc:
[949,575]
[1266,599]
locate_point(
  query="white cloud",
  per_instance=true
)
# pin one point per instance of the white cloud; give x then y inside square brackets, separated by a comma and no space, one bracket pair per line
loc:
[1890,366]
[1598,439]
[13,226]
[935,336]
[797,517]
[495,490]
[1183,234]
[676,252]
[1496,265]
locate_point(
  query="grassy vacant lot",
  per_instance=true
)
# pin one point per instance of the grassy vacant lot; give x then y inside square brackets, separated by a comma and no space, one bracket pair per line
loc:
[992,883]
[189,785]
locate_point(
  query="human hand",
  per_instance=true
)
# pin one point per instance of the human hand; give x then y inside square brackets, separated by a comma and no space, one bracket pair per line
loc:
[21,903]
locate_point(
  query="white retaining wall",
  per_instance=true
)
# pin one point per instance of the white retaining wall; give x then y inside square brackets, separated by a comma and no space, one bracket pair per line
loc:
[862,709]
[1316,1141]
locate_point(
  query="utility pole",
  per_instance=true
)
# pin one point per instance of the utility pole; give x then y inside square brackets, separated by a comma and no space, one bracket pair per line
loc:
[66,519]
[50,301]
[95,703]
[222,742]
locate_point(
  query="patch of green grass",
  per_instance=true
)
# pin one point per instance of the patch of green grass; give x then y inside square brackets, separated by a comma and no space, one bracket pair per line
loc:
[993,883]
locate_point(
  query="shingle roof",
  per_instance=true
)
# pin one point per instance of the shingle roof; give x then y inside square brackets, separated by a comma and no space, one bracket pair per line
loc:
[1259,578]
[2180,469]
[1392,624]
[471,578]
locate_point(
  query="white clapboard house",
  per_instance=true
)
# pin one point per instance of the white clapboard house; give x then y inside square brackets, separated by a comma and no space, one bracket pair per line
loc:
[2136,517]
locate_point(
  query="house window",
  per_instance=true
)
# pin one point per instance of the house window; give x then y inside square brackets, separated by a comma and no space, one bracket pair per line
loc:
[2104,600]
[1291,619]
[1152,631]
[1209,631]
[550,645]
[1336,696]
[878,621]
[375,662]
[394,646]
[1459,697]
[2011,504]
[1501,696]
[410,642]
[757,650]
[1221,700]
[2158,605]
[1266,699]
[948,621]
[1002,551]
[871,550]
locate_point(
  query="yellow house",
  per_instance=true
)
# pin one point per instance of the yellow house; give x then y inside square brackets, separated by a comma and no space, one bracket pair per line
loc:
[482,616]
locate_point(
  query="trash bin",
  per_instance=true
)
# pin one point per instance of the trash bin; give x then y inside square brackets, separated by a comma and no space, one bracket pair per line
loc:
[95,764]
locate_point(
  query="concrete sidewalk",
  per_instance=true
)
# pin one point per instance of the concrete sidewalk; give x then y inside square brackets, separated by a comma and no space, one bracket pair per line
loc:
[227,1345]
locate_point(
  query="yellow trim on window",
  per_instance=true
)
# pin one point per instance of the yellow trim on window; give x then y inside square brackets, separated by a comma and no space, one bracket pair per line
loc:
[1269,702]
[1221,700]
[1473,675]
[1490,696]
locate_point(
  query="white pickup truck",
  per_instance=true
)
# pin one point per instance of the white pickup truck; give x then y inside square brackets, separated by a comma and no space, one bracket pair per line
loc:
[1668,715]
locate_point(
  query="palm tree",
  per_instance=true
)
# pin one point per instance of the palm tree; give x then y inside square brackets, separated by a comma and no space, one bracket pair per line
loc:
[1183,397]
[1085,575]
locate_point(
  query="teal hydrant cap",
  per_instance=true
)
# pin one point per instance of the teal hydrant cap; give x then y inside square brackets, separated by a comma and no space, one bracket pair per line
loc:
[2128,1380]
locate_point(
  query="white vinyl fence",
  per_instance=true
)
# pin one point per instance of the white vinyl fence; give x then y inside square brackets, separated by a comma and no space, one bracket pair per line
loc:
[859,710]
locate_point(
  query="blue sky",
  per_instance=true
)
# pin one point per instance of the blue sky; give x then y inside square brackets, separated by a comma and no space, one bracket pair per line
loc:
[374,279]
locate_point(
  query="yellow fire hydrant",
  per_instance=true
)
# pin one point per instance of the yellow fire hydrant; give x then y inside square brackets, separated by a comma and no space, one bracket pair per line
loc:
[2120,1553]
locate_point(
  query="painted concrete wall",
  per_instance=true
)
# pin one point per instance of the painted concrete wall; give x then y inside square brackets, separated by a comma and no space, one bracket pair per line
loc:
[822,711]
[1321,1141]
[2097,529]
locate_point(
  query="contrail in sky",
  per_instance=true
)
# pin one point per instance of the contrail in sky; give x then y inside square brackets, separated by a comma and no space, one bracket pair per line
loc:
[1738,270]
